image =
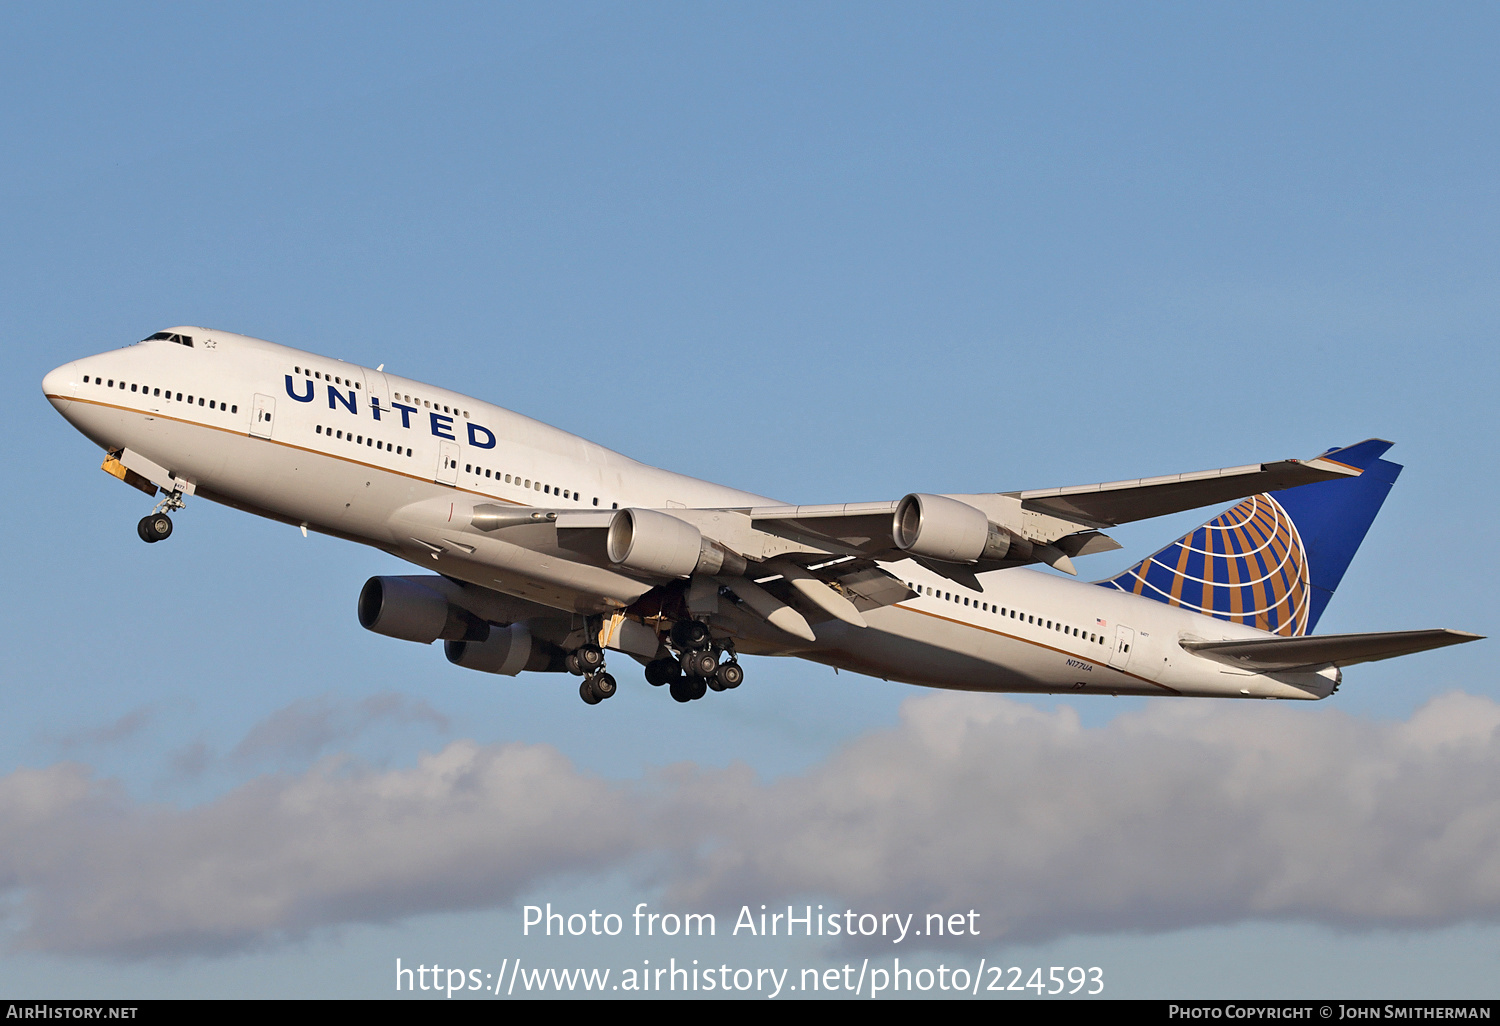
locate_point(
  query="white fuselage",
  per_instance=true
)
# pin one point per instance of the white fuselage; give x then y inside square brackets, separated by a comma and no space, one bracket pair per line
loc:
[386,461]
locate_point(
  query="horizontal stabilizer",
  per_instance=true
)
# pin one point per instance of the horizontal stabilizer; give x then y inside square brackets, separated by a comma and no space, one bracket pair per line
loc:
[1269,654]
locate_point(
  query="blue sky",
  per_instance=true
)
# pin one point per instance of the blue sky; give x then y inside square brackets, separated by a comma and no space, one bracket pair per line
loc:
[820,252]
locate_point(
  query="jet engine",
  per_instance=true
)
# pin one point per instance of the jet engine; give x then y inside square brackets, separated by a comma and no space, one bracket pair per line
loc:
[507,650]
[937,527]
[657,544]
[405,608]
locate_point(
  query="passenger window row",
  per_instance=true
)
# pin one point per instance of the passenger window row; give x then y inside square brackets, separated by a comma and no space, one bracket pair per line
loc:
[520,482]
[1002,611]
[371,442]
[429,404]
[157,393]
[336,379]
[526,482]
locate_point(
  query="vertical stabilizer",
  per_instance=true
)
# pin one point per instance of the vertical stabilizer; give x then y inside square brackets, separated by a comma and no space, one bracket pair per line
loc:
[1274,560]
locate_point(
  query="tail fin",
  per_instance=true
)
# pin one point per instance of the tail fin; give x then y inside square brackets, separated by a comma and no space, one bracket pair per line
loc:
[1273,561]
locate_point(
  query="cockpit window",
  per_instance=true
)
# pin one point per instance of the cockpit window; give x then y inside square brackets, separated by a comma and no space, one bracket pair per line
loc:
[167,336]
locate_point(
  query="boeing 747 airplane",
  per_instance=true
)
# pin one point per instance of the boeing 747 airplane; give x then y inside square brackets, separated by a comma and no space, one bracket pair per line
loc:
[544,552]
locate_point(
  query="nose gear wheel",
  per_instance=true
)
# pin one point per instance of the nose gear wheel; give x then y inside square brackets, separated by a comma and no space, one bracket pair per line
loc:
[154,528]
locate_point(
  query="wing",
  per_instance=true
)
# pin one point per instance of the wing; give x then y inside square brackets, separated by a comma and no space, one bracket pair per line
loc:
[1120,502]
[791,564]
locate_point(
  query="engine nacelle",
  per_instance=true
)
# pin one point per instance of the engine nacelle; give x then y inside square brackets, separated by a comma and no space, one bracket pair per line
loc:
[650,542]
[405,608]
[937,527]
[508,650]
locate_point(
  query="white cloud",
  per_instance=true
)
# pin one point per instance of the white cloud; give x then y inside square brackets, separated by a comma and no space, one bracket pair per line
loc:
[1187,813]
[467,827]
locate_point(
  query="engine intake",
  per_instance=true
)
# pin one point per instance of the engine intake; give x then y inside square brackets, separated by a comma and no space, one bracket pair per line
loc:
[405,608]
[657,544]
[937,527]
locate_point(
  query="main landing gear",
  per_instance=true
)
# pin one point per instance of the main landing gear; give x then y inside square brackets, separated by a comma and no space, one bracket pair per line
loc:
[158,526]
[596,687]
[588,663]
[701,665]
[696,669]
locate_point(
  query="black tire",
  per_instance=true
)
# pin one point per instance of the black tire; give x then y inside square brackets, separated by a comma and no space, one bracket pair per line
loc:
[730,675]
[701,664]
[714,684]
[699,686]
[682,689]
[157,527]
[662,671]
[690,634]
[570,662]
[590,658]
[586,692]
[604,685]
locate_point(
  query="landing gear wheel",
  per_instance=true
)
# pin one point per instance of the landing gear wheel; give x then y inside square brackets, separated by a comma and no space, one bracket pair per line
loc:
[688,634]
[662,671]
[730,676]
[699,686]
[701,664]
[714,683]
[157,527]
[604,685]
[596,688]
[590,658]
[682,689]
[571,662]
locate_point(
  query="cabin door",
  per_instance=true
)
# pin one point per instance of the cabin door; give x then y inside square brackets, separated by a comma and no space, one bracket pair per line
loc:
[1124,640]
[380,396]
[447,463]
[260,420]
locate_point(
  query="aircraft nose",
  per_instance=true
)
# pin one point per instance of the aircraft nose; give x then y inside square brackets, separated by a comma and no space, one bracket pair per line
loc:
[61,385]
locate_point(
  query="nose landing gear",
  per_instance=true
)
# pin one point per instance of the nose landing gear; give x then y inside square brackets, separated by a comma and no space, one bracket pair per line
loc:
[158,526]
[154,528]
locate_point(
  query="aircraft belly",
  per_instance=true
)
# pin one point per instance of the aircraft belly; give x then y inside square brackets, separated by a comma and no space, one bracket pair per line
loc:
[917,647]
[904,645]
